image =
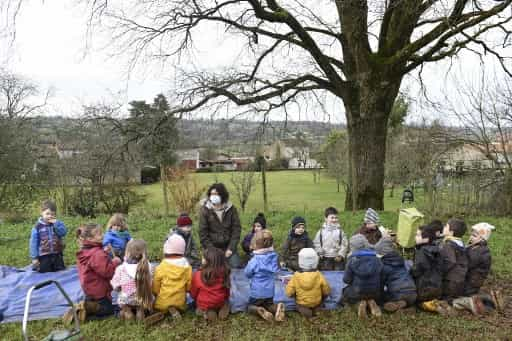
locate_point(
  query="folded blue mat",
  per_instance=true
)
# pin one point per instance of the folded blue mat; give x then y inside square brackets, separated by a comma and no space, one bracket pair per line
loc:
[49,303]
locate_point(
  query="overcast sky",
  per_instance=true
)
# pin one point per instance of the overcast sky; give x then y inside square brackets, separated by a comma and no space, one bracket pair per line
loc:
[50,44]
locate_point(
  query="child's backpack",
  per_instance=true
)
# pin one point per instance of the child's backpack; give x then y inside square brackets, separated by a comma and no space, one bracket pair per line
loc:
[340,240]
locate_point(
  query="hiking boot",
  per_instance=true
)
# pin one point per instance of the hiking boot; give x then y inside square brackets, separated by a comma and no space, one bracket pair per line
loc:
[224,311]
[211,315]
[374,308]
[264,314]
[81,311]
[126,313]
[175,314]
[280,312]
[391,307]
[154,318]
[69,315]
[361,310]
[139,315]
[498,300]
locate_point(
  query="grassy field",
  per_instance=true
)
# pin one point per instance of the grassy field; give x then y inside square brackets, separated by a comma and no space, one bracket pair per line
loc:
[290,193]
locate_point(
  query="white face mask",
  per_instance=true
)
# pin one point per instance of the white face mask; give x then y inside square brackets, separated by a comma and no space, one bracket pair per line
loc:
[215,199]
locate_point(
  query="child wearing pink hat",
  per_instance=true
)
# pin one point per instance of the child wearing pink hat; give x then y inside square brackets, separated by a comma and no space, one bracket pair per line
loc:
[173,277]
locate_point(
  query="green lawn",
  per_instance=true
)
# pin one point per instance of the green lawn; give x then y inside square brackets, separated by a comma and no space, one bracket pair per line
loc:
[290,193]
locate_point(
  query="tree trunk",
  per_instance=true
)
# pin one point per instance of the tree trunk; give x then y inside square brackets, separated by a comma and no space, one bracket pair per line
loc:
[368,107]
[163,180]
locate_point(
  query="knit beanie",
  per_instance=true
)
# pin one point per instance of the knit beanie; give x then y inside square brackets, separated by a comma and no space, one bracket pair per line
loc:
[298,220]
[371,217]
[260,218]
[358,242]
[384,246]
[183,220]
[174,245]
[308,259]
[484,230]
[262,239]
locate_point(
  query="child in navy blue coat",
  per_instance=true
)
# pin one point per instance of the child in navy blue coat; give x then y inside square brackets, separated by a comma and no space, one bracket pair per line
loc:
[261,271]
[363,277]
[400,290]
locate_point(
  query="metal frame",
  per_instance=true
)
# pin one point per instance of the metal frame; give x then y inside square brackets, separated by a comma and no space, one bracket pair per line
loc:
[27,306]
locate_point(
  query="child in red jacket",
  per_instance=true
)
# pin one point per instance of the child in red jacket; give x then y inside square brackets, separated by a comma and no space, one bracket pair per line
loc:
[95,270]
[210,286]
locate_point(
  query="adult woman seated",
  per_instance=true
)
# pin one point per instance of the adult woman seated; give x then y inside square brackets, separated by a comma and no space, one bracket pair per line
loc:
[219,224]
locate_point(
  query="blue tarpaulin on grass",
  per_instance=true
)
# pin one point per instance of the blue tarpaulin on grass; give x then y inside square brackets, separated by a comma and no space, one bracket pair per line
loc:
[49,303]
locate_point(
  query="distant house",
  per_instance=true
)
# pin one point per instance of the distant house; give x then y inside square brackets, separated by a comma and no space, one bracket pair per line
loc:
[297,154]
[465,158]
[190,159]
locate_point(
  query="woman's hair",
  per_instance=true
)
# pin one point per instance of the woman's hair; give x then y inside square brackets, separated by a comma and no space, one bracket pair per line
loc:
[136,251]
[221,190]
[86,231]
[216,265]
[118,219]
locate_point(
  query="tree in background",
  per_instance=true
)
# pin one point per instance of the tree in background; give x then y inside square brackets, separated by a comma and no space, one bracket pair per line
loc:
[152,128]
[357,51]
[243,182]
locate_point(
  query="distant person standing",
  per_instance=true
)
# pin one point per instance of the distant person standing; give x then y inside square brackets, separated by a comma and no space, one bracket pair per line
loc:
[219,224]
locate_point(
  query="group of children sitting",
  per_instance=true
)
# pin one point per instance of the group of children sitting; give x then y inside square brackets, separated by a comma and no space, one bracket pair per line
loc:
[445,274]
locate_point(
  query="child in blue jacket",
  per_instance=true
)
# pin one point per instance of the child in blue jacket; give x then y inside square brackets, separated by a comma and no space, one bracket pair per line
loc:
[117,235]
[261,271]
[400,287]
[363,277]
[46,240]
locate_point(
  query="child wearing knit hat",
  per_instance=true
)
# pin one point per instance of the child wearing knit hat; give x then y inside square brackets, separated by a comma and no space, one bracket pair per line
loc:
[297,240]
[479,266]
[371,227]
[259,223]
[308,285]
[184,229]
[173,277]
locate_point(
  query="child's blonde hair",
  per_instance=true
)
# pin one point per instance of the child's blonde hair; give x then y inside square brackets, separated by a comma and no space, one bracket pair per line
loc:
[136,251]
[118,219]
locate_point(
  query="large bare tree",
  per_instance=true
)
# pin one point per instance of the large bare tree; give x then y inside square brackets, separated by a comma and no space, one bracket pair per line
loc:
[357,51]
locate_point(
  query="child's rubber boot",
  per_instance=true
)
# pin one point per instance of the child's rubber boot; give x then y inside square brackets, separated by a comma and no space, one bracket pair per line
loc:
[264,314]
[126,313]
[498,300]
[139,314]
[361,310]
[153,318]
[224,311]
[430,306]
[374,308]
[394,306]
[175,314]
[280,315]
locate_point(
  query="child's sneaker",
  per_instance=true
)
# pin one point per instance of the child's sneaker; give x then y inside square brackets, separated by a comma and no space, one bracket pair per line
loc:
[361,310]
[175,314]
[374,308]
[154,318]
[224,311]
[264,314]
[280,312]
[391,307]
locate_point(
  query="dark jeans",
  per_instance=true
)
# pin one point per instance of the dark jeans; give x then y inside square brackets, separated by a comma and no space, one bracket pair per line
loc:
[330,264]
[105,308]
[51,263]
[267,303]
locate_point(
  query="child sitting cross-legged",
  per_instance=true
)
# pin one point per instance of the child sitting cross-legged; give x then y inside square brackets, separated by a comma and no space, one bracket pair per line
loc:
[210,286]
[261,271]
[297,240]
[400,288]
[363,277]
[308,285]
[173,277]
[133,280]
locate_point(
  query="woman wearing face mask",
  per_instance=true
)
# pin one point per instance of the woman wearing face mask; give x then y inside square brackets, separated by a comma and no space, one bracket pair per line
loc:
[219,224]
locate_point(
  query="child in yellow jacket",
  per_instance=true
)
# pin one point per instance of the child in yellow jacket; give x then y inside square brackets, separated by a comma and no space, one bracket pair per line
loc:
[173,277]
[308,285]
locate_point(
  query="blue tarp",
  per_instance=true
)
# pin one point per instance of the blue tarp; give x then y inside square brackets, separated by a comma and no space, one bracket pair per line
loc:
[49,303]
